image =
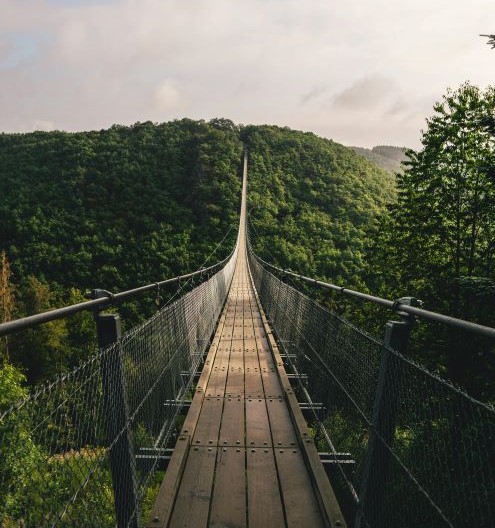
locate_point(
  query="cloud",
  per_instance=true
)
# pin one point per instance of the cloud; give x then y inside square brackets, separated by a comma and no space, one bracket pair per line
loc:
[75,3]
[366,93]
[167,96]
[99,62]
[46,126]
[313,94]
[374,109]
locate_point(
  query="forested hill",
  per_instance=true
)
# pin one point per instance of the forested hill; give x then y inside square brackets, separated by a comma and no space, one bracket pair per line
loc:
[118,207]
[384,156]
[313,202]
[128,206]
[123,206]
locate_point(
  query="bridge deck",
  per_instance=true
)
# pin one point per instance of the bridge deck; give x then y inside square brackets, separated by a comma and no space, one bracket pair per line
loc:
[244,456]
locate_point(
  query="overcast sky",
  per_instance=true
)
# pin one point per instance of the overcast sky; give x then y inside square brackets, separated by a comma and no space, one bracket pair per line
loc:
[358,71]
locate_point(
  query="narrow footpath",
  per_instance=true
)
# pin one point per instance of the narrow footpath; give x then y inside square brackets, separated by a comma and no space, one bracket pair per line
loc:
[244,457]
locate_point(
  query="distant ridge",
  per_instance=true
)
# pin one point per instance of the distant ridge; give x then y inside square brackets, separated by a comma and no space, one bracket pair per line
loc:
[384,156]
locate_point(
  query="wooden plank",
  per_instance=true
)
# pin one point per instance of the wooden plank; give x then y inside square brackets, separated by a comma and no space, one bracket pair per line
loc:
[264,503]
[236,341]
[235,384]
[209,420]
[237,344]
[253,382]
[262,342]
[228,503]
[218,377]
[269,376]
[216,383]
[236,362]
[194,411]
[233,422]
[301,507]
[265,358]
[250,345]
[257,424]
[223,357]
[193,498]
[227,332]
[258,332]
[209,361]
[271,384]
[281,425]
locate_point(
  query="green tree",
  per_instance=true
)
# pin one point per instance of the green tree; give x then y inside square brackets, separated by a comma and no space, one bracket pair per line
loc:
[42,350]
[6,302]
[114,209]
[312,202]
[438,242]
[19,454]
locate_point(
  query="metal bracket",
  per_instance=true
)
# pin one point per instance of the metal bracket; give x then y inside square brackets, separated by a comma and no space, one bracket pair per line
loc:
[407,301]
[184,404]
[336,458]
[301,377]
[153,456]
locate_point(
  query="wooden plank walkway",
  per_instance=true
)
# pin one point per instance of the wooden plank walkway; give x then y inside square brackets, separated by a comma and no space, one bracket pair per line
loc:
[245,457]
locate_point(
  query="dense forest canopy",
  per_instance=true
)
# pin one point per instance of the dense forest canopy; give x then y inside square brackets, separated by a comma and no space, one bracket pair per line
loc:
[127,206]
[385,156]
[110,209]
[130,205]
[313,202]
[117,207]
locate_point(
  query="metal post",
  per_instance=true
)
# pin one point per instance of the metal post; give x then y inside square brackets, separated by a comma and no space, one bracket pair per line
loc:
[385,408]
[122,461]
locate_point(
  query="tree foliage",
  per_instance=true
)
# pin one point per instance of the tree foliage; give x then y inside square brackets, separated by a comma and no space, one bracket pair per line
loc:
[384,156]
[112,209]
[129,205]
[6,302]
[438,241]
[313,202]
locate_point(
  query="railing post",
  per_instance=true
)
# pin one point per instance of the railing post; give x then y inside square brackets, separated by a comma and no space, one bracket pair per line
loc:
[385,408]
[122,461]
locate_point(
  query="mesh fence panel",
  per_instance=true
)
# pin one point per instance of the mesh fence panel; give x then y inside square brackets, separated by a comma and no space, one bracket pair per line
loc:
[437,469]
[55,449]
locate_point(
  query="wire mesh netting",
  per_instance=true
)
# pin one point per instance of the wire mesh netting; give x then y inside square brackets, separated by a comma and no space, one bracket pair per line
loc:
[109,421]
[436,465]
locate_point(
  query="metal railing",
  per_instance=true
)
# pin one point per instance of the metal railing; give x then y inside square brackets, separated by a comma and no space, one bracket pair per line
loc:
[423,451]
[405,305]
[102,299]
[86,449]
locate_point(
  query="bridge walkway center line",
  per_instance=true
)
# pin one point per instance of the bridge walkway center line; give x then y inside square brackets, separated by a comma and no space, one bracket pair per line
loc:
[244,457]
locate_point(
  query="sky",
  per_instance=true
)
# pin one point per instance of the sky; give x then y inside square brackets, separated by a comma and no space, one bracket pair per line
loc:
[360,72]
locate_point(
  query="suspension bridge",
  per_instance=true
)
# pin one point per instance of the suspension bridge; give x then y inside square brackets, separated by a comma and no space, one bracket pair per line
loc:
[244,403]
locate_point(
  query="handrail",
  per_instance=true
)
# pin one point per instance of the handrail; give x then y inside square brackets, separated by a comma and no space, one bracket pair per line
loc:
[396,306]
[99,303]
